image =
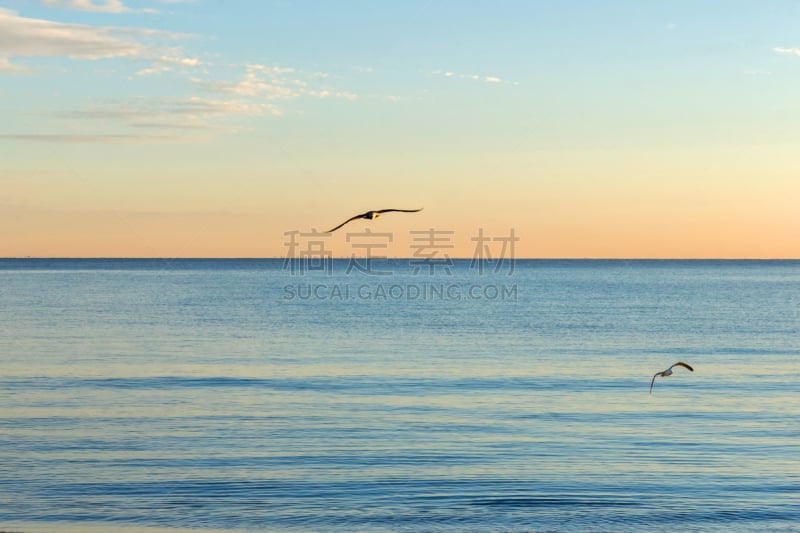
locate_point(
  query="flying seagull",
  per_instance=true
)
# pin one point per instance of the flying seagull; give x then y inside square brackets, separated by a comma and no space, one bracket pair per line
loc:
[668,372]
[372,215]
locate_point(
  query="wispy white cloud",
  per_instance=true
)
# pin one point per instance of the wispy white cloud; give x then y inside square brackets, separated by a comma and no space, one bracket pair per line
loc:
[276,83]
[20,36]
[30,37]
[274,69]
[87,138]
[171,113]
[326,93]
[184,61]
[143,119]
[165,63]
[155,69]
[757,72]
[258,80]
[97,6]
[474,77]
[6,67]
[790,51]
[231,97]
[151,120]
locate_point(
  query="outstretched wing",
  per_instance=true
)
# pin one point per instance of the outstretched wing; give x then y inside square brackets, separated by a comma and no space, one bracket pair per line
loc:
[653,381]
[684,365]
[345,222]
[363,215]
[399,210]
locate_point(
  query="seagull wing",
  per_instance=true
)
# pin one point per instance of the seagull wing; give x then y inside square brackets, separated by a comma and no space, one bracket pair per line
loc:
[345,222]
[653,381]
[362,215]
[399,210]
[684,365]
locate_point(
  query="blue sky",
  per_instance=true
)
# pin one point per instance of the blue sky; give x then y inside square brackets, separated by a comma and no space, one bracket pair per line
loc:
[549,62]
[298,109]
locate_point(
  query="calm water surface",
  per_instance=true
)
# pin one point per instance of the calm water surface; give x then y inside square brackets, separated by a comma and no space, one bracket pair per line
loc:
[232,395]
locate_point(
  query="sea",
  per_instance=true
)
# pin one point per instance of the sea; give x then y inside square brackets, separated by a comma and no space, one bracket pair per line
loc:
[342,395]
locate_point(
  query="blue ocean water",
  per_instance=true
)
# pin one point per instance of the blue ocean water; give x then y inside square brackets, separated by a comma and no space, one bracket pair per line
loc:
[239,395]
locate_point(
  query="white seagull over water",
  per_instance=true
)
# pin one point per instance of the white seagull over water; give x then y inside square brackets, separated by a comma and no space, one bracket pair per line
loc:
[372,215]
[668,372]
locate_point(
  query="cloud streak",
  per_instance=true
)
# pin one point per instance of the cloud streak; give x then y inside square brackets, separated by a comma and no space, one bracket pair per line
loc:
[85,138]
[166,63]
[10,68]
[254,90]
[258,80]
[172,113]
[96,6]
[30,37]
[150,120]
[790,51]
[276,83]
[474,77]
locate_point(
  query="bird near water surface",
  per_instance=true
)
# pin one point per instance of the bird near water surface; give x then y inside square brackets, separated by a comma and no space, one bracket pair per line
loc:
[372,215]
[668,372]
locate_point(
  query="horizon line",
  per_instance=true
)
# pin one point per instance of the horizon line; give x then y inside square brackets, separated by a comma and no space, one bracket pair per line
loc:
[165,258]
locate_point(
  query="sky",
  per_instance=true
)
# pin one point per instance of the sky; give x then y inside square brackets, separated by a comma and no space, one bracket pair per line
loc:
[225,128]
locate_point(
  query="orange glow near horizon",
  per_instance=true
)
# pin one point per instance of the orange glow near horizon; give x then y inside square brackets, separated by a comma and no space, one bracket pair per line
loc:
[561,205]
[582,235]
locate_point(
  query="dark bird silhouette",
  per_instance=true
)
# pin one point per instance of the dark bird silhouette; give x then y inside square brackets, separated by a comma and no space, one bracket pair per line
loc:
[668,372]
[372,215]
